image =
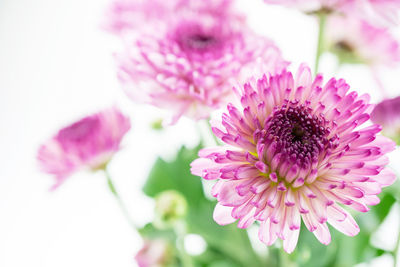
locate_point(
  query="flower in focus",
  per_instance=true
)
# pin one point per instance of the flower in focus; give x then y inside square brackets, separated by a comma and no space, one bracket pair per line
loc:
[296,150]
[378,12]
[189,62]
[155,253]
[86,144]
[354,40]
[387,114]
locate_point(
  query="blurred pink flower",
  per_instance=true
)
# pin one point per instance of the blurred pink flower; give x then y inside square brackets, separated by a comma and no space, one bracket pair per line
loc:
[296,150]
[387,114]
[377,12]
[356,40]
[189,62]
[86,144]
[130,15]
[155,253]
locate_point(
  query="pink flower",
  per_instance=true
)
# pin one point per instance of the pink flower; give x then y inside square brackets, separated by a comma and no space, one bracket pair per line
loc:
[86,144]
[296,150]
[358,41]
[387,114]
[129,15]
[155,253]
[378,12]
[189,62]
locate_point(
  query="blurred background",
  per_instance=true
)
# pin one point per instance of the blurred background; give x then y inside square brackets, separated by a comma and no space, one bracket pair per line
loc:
[57,65]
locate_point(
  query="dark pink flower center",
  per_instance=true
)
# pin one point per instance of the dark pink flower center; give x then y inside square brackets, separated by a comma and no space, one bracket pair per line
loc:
[194,38]
[200,41]
[297,134]
[79,131]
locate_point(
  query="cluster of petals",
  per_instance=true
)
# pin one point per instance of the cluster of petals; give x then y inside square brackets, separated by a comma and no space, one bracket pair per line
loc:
[377,12]
[387,114]
[86,144]
[362,41]
[189,62]
[296,150]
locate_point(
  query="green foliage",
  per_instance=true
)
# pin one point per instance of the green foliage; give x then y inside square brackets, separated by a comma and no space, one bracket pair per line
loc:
[150,232]
[383,208]
[226,244]
[176,175]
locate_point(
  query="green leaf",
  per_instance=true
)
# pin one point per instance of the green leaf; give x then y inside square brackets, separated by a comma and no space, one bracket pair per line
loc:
[176,175]
[150,232]
[383,208]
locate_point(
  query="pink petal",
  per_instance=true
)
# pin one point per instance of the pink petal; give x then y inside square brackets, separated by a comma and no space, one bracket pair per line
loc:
[290,241]
[348,226]
[267,232]
[228,196]
[247,220]
[386,177]
[222,215]
[336,213]
[322,234]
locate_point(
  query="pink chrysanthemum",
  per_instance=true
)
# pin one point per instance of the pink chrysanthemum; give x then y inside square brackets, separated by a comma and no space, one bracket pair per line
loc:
[378,12]
[358,41]
[189,62]
[296,151]
[387,114]
[86,144]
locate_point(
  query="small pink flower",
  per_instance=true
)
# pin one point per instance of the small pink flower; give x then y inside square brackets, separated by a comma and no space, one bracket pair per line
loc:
[189,62]
[296,150]
[155,253]
[359,41]
[387,114]
[86,144]
[378,12]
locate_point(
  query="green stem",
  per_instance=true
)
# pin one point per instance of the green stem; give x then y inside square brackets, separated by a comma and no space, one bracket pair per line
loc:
[180,231]
[396,251]
[121,204]
[320,45]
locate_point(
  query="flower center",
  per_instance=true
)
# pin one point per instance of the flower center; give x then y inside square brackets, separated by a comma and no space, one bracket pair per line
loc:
[344,46]
[196,38]
[299,136]
[200,41]
[79,131]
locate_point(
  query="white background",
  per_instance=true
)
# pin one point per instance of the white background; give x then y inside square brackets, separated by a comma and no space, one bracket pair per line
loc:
[56,66]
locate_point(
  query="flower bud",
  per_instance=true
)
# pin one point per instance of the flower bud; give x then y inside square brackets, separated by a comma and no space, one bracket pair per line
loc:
[170,208]
[154,253]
